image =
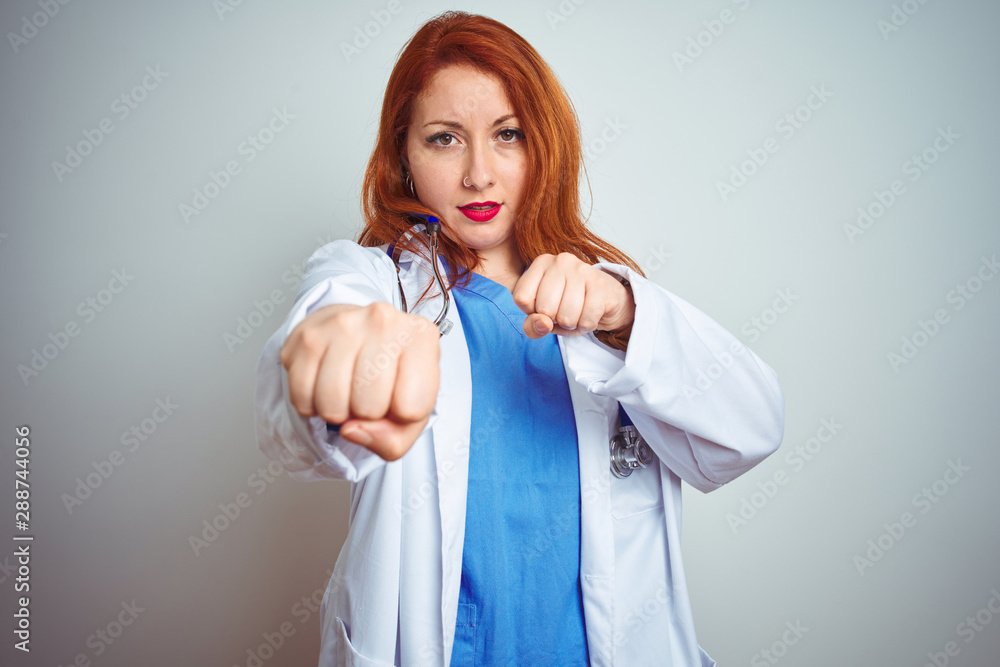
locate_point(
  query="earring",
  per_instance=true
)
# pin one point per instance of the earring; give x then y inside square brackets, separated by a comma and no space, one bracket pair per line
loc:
[407,181]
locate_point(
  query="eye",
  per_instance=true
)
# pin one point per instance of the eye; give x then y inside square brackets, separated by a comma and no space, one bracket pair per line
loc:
[441,139]
[510,135]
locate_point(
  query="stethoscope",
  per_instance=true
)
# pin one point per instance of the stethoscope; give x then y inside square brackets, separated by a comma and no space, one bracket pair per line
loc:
[629,450]
[432,229]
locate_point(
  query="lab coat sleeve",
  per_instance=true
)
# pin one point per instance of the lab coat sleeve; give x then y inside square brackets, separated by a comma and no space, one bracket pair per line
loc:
[708,406]
[339,272]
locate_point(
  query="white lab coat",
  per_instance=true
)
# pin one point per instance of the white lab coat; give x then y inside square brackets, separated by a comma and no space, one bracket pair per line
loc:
[708,407]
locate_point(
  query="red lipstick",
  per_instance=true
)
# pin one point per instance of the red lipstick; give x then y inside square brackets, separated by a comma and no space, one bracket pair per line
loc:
[480,211]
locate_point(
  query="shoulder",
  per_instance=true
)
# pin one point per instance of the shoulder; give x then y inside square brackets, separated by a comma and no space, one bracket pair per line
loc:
[348,252]
[346,256]
[344,261]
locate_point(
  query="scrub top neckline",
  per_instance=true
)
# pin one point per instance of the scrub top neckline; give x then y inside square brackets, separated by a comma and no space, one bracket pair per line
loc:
[496,294]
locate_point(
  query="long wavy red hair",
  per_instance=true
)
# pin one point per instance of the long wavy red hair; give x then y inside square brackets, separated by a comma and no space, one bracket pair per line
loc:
[550,219]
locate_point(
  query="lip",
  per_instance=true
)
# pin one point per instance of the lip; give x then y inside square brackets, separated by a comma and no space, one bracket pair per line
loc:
[481,216]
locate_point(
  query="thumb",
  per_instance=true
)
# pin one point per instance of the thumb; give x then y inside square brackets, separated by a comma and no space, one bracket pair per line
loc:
[385,437]
[537,325]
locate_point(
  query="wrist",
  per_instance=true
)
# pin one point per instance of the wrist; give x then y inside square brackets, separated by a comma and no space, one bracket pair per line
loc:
[617,338]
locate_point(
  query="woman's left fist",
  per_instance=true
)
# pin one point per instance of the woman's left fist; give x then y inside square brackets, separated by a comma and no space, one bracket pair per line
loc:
[564,295]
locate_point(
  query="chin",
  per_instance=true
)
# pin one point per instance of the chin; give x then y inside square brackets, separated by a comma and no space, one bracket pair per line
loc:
[478,235]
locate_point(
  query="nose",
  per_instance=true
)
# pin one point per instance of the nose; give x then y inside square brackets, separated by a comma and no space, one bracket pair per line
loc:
[479,168]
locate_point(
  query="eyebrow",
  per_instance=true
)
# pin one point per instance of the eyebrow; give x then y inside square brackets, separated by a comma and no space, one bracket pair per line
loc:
[458,126]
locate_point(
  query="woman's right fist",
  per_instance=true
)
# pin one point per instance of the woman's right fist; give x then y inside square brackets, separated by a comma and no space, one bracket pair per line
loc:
[372,369]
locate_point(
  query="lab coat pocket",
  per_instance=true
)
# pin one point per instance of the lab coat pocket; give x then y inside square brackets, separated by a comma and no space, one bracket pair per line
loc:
[639,492]
[463,651]
[347,656]
[642,490]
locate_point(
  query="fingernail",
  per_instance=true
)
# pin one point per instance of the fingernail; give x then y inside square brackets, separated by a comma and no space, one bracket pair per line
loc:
[540,328]
[357,435]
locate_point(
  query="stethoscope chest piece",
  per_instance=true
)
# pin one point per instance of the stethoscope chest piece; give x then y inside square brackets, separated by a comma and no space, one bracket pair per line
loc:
[628,449]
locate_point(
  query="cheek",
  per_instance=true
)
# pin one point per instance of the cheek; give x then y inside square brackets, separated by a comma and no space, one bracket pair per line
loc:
[516,177]
[432,179]
[434,170]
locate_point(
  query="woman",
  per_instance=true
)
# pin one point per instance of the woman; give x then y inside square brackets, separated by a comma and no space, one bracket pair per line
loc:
[486,526]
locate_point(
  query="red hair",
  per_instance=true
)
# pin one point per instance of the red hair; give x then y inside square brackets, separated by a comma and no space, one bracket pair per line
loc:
[550,219]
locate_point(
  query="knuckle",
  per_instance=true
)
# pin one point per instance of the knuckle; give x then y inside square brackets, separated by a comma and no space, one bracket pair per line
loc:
[331,409]
[567,259]
[286,354]
[409,413]
[311,339]
[423,327]
[332,415]
[367,412]
[566,321]
[301,405]
[543,260]
[381,313]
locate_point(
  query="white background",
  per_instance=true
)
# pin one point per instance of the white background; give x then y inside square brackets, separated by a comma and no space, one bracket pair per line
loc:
[682,129]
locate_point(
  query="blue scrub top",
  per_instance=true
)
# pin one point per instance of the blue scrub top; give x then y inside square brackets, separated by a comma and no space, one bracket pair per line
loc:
[520,601]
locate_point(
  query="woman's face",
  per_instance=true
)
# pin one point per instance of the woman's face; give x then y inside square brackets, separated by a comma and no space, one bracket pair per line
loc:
[465,153]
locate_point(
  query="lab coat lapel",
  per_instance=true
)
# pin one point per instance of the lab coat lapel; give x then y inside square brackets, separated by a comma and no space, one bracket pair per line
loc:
[594,421]
[451,451]
[451,424]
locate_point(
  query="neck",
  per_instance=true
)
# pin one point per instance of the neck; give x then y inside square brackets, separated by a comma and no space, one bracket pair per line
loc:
[504,273]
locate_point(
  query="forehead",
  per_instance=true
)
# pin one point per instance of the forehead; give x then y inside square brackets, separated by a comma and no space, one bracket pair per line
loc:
[459,93]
